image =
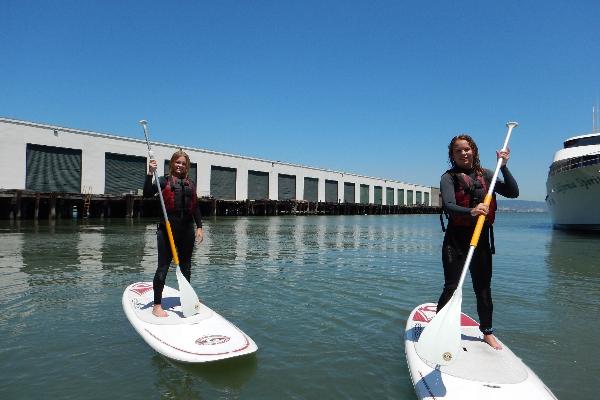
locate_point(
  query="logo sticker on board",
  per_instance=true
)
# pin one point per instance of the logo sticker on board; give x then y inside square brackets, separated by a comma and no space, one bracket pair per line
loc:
[211,340]
[447,356]
[141,288]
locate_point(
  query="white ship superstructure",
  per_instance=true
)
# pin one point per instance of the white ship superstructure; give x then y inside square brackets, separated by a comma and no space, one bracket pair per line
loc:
[573,185]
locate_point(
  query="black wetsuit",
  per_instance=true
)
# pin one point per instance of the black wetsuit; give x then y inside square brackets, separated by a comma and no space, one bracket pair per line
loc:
[183,226]
[457,242]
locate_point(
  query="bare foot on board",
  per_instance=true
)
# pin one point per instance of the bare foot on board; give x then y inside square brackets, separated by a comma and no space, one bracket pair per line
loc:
[158,311]
[491,340]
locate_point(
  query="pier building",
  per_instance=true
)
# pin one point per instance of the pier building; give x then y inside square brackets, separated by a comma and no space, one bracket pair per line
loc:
[43,158]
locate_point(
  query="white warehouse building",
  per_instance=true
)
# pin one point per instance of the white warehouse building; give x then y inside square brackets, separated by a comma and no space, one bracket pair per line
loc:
[47,158]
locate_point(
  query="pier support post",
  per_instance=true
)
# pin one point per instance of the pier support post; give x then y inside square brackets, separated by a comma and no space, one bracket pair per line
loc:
[36,212]
[52,204]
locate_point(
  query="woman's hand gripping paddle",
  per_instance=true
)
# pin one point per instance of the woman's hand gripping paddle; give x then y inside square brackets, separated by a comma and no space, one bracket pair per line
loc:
[439,343]
[190,304]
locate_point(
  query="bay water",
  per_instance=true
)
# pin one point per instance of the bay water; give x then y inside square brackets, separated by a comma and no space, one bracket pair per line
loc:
[324,297]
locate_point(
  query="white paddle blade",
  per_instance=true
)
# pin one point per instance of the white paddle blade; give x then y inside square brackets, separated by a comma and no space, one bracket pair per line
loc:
[439,343]
[190,305]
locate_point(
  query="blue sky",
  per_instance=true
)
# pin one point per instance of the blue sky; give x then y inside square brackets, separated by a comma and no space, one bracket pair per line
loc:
[372,87]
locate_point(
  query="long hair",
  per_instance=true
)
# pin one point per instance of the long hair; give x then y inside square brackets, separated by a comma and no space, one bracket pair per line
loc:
[476,164]
[174,157]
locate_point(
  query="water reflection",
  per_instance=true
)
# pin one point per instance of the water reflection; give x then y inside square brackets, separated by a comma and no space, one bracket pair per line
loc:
[189,381]
[573,253]
[89,250]
[123,246]
[51,256]
[14,281]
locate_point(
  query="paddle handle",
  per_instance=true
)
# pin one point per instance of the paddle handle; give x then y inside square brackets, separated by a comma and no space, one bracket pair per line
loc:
[172,242]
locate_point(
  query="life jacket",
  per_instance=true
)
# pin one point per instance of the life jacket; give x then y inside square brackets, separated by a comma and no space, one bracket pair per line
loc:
[178,200]
[470,190]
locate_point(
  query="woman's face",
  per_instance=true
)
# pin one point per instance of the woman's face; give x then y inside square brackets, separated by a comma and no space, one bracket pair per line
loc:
[462,154]
[180,166]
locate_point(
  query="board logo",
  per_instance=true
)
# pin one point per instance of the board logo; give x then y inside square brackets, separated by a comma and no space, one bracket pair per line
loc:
[141,288]
[211,340]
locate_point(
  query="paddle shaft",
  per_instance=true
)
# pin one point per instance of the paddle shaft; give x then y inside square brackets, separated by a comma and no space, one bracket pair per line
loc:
[487,201]
[162,201]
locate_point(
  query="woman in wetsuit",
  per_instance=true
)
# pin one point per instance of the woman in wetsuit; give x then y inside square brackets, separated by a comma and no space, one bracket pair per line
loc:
[463,188]
[181,203]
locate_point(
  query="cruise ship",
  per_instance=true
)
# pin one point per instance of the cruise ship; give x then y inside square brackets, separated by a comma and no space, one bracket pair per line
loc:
[573,185]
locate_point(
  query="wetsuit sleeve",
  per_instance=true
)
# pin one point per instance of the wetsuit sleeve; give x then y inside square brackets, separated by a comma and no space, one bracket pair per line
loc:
[198,217]
[150,188]
[507,186]
[449,198]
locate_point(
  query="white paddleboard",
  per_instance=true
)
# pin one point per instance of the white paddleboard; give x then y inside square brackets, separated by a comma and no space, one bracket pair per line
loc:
[478,373]
[203,337]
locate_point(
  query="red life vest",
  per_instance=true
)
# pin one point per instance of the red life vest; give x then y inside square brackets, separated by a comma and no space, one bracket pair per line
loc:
[469,192]
[179,199]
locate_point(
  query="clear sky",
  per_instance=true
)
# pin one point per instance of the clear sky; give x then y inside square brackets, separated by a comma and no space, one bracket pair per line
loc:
[372,87]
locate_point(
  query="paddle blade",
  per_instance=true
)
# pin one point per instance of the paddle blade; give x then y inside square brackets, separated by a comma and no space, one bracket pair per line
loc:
[190,305]
[439,343]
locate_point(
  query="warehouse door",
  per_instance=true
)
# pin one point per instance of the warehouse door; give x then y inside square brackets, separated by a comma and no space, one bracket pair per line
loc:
[400,197]
[222,182]
[349,192]
[258,185]
[287,187]
[409,198]
[52,169]
[124,174]
[364,194]
[378,192]
[389,196]
[311,189]
[331,191]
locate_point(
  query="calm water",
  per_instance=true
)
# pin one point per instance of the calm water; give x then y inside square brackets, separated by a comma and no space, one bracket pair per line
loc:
[325,298]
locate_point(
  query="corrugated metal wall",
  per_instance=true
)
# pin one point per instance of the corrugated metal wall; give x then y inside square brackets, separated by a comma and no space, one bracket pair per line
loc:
[124,173]
[311,189]
[349,192]
[258,185]
[389,196]
[222,182]
[400,197]
[52,169]
[331,191]
[287,187]
[364,194]
[426,198]
[409,198]
[378,194]
[192,173]
[419,197]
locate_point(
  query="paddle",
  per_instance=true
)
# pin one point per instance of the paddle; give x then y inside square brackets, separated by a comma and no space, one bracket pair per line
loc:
[439,342]
[190,304]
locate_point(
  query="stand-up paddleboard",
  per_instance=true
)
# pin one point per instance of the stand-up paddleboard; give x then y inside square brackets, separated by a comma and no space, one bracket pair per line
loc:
[479,372]
[203,337]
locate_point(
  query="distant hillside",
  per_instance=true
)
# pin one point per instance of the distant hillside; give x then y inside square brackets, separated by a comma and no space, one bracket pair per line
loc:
[522,206]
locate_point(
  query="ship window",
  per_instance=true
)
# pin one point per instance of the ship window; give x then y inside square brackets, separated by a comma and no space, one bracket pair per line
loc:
[585,141]
[574,163]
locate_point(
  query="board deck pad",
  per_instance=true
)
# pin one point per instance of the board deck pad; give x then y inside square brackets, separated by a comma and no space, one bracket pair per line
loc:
[203,337]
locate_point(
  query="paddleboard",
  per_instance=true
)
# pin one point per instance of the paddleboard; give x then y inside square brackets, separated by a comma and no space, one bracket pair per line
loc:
[201,338]
[479,372]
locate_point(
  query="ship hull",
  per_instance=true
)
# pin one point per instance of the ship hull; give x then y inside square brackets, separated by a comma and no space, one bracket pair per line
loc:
[573,198]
